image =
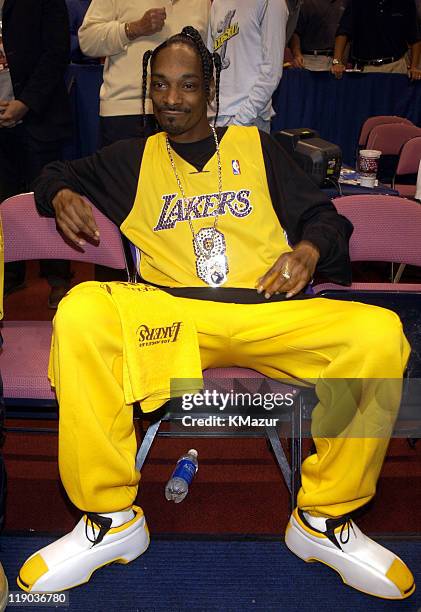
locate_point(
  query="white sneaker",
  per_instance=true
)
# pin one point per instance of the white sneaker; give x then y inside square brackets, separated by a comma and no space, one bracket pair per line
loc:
[361,562]
[72,559]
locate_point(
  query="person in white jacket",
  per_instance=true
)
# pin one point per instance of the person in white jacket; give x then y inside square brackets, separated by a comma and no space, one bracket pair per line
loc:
[249,35]
[121,31]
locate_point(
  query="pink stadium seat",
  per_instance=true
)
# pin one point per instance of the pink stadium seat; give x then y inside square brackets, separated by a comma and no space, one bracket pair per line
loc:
[372,122]
[386,228]
[409,161]
[27,235]
[390,138]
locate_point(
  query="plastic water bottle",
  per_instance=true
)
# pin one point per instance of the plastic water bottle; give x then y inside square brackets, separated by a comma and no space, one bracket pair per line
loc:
[178,485]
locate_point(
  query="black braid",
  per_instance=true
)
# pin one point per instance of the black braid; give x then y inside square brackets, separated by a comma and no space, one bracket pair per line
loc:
[218,67]
[146,57]
[210,61]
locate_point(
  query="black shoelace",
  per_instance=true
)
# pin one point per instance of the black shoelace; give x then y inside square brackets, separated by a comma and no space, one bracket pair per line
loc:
[103,522]
[345,523]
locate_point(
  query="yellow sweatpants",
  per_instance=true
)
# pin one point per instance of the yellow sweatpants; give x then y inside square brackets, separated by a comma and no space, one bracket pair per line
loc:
[314,339]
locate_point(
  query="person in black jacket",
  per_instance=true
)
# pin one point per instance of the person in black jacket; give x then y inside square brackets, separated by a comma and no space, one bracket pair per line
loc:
[34,109]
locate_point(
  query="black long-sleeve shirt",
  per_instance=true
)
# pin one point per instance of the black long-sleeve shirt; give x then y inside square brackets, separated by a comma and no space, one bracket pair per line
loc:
[109,178]
[380,28]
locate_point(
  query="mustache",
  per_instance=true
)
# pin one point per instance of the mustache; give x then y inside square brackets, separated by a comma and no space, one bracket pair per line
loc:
[168,107]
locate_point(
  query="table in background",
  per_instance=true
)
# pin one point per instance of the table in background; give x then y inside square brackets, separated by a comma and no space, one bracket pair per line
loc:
[337,108]
[347,190]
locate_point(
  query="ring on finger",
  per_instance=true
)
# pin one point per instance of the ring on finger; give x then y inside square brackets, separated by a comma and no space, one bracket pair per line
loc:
[285,272]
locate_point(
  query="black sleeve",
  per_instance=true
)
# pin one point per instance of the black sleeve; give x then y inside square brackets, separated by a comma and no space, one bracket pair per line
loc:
[108,178]
[345,27]
[54,59]
[413,30]
[306,213]
[301,24]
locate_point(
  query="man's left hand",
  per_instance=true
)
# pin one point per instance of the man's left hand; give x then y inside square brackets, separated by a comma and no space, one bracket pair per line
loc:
[11,112]
[414,73]
[291,272]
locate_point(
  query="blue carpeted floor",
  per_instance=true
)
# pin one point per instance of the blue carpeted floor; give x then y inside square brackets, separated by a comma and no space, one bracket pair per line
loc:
[210,576]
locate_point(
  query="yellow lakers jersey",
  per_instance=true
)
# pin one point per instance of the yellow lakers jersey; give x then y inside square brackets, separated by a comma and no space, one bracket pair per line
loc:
[158,222]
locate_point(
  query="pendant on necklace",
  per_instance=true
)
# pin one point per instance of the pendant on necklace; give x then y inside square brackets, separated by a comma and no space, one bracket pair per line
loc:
[211,263]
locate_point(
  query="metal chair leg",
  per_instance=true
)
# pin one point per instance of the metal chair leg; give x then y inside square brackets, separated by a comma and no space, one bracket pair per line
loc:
[296,451]
[146,444]
[281,458]
[399,273]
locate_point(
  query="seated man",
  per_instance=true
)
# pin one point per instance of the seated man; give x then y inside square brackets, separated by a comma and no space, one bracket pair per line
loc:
[209,210]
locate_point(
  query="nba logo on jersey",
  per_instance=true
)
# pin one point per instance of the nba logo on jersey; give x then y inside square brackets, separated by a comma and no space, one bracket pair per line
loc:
[235,166]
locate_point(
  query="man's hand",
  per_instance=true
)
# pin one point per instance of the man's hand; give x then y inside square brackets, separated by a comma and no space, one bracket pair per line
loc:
[337,70]
[11,112]
[414,73]
[298,265]
[152,21]
[298,61]
[74,216]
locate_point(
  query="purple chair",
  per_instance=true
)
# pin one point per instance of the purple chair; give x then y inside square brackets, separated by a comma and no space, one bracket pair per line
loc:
[409,161]
[27,235]
[372,122]
[390,138]
[386,228]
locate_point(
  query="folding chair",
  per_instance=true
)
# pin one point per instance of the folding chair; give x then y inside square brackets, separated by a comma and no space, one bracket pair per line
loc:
[389,139]
[372,122]
[245,381]
[408,164]
[24,356]
[388,228]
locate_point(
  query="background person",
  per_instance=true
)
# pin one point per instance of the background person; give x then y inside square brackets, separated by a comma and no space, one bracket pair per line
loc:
[121,31]
[35,114]
[249,36]
[313,41]
[380,32]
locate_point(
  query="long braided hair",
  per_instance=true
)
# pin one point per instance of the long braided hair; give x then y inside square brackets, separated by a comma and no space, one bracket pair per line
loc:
[210,62]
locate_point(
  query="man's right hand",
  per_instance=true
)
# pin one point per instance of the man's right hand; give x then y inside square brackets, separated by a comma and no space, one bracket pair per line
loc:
[74,216]
[152,21]
[298,61]
[337,70]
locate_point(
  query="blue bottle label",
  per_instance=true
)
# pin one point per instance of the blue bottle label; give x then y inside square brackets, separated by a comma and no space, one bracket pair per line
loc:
[185,469]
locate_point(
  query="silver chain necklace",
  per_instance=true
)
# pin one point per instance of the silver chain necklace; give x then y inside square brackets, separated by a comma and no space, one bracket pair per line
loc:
[208,243]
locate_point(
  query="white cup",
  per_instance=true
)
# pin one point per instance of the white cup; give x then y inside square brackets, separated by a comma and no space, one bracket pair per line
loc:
[367,181]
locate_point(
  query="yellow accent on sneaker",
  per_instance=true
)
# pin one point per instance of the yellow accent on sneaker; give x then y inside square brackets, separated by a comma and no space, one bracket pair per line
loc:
[138,513]
[30,571]
[400,575]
